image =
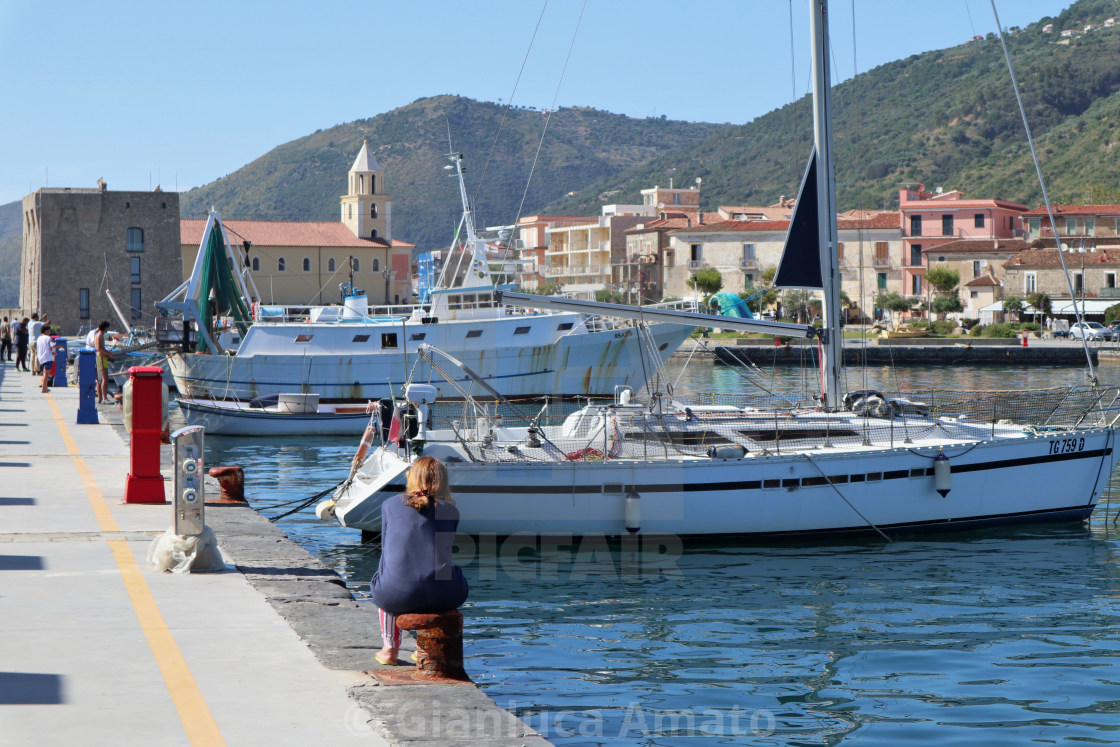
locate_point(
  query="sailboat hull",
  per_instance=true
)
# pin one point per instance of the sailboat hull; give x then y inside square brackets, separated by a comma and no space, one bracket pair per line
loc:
[1033,478]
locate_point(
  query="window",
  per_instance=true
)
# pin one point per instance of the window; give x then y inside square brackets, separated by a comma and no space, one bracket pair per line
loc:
[947,225]
[1078,283]
[281,265]
[361,184]
[389,340]
[563,326]
[303,338]
[974,294]
[474,333]
[881,280]
[881,249]
[256,264]
[331,265]
[916,255]
[136,314]
[1030,281]
[307,264]
[840,251]
[375,265]
[696,252]
[134,270]
[978,220]
[1073,226]
[350,210]
[373,233]
[976,268]
[355,264]
[748,252]
[373,210]
[134,240]
[373,184]
[1033,226]
[83,303]
[1110,280]
[360,338]
[1090,226]
[748,280]
[916,285]
[915,225]
[418,336]
[521,331]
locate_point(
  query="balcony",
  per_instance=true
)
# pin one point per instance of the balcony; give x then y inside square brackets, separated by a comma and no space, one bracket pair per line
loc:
[579,270]
[881,262]
[695,264]
[748,264]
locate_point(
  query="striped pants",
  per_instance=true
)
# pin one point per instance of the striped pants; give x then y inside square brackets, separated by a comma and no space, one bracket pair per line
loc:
[390,633]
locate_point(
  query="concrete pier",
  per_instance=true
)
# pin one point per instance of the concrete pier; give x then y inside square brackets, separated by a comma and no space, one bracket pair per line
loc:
[95,648]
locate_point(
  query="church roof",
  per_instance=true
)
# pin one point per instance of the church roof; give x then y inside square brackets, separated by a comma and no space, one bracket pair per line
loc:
[365,160]
[266,233]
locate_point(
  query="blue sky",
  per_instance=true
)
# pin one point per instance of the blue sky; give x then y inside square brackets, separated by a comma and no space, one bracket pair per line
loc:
[182,93]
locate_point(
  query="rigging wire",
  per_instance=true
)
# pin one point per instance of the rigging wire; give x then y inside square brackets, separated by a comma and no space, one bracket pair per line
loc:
[551,109]
[509,104]
[1079,313]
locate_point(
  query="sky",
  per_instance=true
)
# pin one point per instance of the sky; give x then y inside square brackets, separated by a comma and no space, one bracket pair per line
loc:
[182,93]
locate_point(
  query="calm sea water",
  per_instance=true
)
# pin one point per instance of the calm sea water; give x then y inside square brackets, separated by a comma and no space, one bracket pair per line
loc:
[1003,637]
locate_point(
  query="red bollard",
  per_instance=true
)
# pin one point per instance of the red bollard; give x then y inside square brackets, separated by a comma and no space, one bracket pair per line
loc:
[1025,333]
[144,483]
[777,342]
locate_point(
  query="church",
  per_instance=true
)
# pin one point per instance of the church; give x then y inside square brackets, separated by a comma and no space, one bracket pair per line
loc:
[302,263]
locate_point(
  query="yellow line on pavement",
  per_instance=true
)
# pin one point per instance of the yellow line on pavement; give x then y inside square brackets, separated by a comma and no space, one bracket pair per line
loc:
[193,712]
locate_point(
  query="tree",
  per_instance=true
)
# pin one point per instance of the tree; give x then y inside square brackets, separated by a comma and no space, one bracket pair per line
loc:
[1041,303]
[796,304]
[1012,305]
[893,303]
[549,288]
[944,279]
[708,280]
[947,304]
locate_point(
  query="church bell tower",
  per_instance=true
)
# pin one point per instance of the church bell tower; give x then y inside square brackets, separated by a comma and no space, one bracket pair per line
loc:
[366,209]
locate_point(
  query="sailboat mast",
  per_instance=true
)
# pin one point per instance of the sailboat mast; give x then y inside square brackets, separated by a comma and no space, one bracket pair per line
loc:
[831,356]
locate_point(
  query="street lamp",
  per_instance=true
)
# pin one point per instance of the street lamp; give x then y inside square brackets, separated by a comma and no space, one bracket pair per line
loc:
[388,275]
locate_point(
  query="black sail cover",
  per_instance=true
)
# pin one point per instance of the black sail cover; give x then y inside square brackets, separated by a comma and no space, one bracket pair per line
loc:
[800,266]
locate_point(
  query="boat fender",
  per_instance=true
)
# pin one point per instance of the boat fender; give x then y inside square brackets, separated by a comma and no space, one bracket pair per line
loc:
[325,510]
[410,422]
[942,475]
[727,451]
[364,446]
[851,398]
[633,512]
[385,417]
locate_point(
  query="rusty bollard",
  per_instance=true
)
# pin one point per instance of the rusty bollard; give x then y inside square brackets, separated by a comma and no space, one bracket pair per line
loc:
[232,482]
[439,644]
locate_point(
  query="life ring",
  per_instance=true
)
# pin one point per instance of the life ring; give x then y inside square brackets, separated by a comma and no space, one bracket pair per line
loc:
[365,445]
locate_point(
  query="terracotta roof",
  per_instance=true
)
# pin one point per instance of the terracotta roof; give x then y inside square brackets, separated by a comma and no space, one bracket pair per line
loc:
[983,281]
[1075,210]
[885,219]
[656,224]
[287,233]
[942,203]
[979,246]
[721,226]
[1048,257]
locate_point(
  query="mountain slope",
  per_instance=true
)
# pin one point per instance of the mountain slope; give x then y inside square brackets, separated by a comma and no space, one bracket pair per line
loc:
[304,178]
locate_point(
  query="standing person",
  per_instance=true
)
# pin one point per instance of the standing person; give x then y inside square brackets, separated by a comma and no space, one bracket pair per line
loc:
[22,341]
[415,573]
[34,330]
[44,349]
[5,340]
[103,358]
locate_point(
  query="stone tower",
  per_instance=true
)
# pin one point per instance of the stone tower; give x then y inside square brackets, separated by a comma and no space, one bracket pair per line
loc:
[366,209]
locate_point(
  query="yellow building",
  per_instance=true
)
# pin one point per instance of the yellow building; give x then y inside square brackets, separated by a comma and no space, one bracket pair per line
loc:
[299,263]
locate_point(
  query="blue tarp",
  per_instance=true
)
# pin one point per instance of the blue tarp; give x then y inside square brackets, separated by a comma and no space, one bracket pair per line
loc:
[730,304]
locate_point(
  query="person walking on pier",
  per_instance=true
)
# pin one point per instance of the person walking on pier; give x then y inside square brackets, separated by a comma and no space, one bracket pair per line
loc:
[5,341]
[415,573]
[103,358]
[44,349]
[33,337]
[22,338]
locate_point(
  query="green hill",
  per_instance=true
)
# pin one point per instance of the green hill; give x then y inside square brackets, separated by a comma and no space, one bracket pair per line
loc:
[304,178]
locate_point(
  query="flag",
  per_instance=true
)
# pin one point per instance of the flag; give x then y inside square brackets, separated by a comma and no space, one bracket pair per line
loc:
[395,425]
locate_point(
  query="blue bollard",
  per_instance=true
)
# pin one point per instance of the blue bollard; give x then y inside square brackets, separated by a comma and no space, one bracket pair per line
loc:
[59,361]
[87,386]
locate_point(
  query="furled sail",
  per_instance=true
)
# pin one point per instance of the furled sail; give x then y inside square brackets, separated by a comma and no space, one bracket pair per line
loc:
[800,266]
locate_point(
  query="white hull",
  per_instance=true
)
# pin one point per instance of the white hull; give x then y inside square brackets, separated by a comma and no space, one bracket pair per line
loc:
[238,419]
[593,363]
[1009,480]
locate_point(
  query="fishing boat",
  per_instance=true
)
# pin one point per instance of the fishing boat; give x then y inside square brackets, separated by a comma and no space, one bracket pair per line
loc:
[278,415]
[764,467]
[347,353]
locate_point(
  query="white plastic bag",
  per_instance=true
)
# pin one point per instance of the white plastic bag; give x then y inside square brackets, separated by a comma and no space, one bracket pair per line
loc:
[186,554]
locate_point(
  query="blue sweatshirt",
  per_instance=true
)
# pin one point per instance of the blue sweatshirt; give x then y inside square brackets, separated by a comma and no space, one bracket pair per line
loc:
[415,573]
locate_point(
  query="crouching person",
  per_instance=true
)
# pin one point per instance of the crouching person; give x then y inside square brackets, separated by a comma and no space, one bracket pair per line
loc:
[415,573]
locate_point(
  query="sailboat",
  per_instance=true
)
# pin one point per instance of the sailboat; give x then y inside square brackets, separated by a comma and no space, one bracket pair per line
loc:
[345,353]
[856,462]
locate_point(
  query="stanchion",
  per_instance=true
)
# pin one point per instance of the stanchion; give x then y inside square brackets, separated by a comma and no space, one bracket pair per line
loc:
[143,417]
[87,386]
[60,349]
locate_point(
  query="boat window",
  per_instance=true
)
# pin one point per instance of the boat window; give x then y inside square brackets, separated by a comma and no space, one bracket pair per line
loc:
[874,476]
[895,474]
[662,346]
[521,331]
[838,479]
[920,472]
[388,339]
[857,478]
[417,336]
[791,434]
[752,485]
[474,333]
[455,301]
[485,299]
[303,338]
[770,484]
[807,482]
[361,338]
[792,482]
[564,326]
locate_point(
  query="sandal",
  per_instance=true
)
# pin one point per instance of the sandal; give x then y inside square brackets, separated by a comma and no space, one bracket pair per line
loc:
[386,662]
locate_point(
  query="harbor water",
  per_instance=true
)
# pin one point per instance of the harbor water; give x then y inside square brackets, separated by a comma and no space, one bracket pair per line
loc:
[1007,636]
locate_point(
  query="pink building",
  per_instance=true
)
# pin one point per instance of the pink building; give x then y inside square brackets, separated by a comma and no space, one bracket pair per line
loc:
[932,219]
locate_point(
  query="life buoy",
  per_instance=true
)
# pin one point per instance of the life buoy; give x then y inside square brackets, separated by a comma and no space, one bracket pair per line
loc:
[365,445]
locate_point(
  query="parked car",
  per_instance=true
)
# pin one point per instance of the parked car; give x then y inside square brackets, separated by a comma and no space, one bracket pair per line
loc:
[1092,331]
[1114,328]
